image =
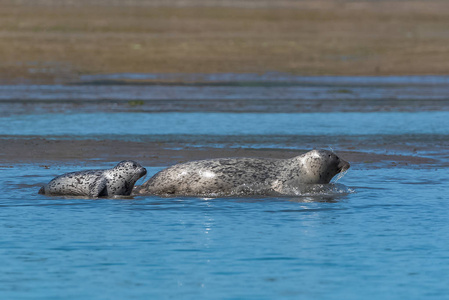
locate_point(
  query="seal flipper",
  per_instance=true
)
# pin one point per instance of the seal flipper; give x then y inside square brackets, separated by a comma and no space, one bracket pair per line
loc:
[98,188]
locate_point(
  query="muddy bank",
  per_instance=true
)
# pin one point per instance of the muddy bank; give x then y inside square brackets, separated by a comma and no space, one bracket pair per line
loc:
[52,152]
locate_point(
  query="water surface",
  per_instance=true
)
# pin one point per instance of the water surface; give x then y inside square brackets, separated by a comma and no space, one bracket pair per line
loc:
[391,233]
[337,123]
[385,240]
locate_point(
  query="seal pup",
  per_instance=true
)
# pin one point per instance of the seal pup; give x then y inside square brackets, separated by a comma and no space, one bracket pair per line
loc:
[224,175]
[119,180]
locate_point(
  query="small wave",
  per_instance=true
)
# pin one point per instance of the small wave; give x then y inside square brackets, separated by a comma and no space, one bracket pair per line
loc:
[339,176]
[305,190]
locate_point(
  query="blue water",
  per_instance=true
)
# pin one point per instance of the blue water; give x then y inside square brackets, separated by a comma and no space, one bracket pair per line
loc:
[347,123]
[385,240]
[388,240]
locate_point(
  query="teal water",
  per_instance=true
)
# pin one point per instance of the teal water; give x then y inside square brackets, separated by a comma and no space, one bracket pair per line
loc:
[335,123]
[385,240]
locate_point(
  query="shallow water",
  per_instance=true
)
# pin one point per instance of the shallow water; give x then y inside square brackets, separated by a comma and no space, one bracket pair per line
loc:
[336,123]
[387,238]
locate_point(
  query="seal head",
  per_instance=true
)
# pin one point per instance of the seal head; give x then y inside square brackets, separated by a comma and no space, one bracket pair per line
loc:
[319,166]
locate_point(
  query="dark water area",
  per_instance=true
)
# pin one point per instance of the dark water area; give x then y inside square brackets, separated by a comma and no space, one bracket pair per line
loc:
[381,233]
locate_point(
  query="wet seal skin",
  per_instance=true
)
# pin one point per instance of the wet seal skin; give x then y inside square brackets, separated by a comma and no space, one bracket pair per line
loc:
[119,180]
[221,176]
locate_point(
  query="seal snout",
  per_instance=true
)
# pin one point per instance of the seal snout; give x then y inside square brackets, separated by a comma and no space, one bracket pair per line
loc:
[144,172]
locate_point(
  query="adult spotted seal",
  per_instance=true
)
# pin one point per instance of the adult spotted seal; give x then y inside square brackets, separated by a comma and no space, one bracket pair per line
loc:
[119,180]
[222,176]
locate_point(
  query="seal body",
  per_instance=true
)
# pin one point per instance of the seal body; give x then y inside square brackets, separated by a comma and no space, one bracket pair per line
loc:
[224,175]
[119,180]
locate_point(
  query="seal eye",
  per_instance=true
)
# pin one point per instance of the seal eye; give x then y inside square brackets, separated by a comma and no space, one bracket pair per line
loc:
[134,166]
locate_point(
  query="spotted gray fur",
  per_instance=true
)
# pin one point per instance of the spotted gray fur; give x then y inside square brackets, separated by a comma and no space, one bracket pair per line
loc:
[223,175]
[119,180]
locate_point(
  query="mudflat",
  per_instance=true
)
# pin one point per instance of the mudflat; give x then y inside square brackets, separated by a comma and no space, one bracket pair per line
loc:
[47,41]
[50,152]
